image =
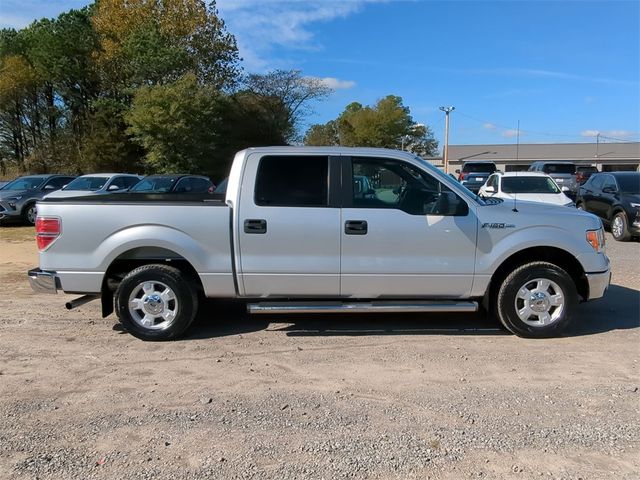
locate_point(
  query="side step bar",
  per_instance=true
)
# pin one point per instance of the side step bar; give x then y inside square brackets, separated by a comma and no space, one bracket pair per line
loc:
[362,307]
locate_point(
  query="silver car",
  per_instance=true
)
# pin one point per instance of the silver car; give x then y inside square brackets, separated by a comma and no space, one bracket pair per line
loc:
[18,198]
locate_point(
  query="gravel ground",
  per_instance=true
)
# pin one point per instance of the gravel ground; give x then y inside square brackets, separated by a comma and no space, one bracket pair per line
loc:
[376,397]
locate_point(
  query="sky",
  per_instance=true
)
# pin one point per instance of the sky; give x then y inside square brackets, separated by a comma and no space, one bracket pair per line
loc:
[566,71]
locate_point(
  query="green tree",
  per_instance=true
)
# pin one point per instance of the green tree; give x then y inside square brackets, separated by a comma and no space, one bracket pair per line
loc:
[177,124]
[387,124]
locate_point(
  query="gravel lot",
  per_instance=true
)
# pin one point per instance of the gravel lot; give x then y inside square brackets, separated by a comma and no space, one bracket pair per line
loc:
[377,397]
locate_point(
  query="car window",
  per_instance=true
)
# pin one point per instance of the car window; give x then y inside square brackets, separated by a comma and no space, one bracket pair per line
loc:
[609,182]
[57,182]
[479,167]
[493,182]
[398,185]
[292,181]
[24,183]
[119,182]
[154,185]
[130,181]
[561,168]
[630,183]
[86,184]
[595,182]
[523,184]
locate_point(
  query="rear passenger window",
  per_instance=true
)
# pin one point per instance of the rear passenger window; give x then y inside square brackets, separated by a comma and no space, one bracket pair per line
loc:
[292,181]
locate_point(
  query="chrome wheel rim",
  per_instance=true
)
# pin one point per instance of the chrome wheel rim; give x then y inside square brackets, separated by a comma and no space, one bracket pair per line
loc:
[153,305]
[540,302]
[617,226]
[31,214]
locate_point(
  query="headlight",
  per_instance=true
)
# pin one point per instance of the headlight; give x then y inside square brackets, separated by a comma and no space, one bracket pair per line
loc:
[635,205]
[595,238]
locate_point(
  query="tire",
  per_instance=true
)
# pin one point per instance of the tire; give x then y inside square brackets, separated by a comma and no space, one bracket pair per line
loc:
[526,298]
[620,227]
[29,214]
[156,302]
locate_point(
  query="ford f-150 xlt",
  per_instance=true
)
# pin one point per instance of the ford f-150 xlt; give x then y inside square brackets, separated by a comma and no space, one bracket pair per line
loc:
[292,234]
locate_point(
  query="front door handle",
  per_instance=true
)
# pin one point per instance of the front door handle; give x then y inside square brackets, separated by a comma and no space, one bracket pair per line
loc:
[255,226]
[356,227]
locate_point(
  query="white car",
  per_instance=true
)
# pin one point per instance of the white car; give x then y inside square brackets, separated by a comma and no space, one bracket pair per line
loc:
[527,186]
[97,184]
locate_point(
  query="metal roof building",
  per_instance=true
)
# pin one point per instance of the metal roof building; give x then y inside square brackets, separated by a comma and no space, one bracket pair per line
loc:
[512,157]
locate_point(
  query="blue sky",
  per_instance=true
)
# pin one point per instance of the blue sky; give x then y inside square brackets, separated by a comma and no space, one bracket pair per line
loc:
[565,69]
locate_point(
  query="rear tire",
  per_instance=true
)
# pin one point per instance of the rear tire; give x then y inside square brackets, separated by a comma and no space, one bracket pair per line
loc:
[620,227]
[536,300]
[29,213]
[156,302]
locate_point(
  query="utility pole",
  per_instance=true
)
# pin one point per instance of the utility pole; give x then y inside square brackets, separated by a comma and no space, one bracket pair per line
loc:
[447,111]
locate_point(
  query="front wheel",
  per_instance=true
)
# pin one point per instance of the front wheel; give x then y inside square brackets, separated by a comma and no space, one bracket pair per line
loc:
[156,302]
[619,227]
[29,214]
[536,300]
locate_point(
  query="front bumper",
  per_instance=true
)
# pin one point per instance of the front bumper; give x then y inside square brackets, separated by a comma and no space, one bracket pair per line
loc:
[598,283]
[43,282]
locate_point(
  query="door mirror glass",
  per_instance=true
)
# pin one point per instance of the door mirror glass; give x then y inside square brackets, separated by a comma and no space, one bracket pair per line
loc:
[50,187]
[609,189]
[489,189]
[565,189]
[112,188]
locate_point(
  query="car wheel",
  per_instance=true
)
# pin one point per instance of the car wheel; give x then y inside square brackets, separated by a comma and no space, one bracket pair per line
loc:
[536,300]
[29,214]
[156,302]
[619,227]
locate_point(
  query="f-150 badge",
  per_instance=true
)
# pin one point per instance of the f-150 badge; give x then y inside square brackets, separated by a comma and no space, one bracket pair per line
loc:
[498,225]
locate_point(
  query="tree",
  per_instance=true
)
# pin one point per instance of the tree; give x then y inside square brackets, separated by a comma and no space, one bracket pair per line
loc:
[177,124]
[388,124]
[293,92]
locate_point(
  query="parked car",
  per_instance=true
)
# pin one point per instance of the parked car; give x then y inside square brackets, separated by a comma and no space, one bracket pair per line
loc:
[527,186]
[96,184]
[615,198]
[584,172]
[292,236]
[474,174]
[564,173]
[178,183]
[18,198]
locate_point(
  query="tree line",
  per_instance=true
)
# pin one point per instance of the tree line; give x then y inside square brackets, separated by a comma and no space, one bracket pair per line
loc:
[157,86]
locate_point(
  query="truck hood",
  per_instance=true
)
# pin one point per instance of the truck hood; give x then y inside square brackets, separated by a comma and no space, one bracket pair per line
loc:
[530,214]
[552,198]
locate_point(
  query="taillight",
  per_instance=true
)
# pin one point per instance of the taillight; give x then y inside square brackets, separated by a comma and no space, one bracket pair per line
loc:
[462,176]
[47,230]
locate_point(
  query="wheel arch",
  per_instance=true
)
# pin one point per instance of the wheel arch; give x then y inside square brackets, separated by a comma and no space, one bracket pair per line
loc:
[554,255]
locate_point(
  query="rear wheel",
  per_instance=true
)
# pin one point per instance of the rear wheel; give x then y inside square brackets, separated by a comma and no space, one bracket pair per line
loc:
[536,300]
[620,228]
[156,302]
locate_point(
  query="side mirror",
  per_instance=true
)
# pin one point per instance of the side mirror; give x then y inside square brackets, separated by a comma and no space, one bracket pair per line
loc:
[112,188]
[565,189]
[609,190]
[51,187]
[489,189]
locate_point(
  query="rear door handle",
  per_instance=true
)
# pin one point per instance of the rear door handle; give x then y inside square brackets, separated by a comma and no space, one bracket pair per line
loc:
[356,227]
[255,226]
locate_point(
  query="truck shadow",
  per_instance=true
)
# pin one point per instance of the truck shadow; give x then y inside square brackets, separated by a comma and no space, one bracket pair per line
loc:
[619,310]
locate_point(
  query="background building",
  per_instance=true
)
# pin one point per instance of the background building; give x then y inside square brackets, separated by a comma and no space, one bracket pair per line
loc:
[511,157]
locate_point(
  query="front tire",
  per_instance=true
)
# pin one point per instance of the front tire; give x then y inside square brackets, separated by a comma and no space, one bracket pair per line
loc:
[620,227]
[537,300]
[29,214]
[156,302]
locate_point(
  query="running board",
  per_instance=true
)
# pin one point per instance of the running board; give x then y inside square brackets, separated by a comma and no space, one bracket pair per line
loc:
[362,307]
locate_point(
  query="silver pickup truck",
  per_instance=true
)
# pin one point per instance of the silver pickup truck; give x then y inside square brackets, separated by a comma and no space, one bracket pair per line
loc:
[293,235]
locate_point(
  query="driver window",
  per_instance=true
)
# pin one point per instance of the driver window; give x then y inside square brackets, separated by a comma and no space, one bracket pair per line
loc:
[382,183]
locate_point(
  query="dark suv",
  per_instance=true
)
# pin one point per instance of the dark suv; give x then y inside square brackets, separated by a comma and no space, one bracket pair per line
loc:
[615,198]
[18,198]
[474,174]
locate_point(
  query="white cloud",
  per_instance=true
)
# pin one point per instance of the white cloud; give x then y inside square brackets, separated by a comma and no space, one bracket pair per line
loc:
[489,126]
[512,132]
[335,83]
[262,25]
[621,134]
[589,133]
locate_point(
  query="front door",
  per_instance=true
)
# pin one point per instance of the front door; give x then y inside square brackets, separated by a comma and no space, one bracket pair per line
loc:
[406,235]
[289,226]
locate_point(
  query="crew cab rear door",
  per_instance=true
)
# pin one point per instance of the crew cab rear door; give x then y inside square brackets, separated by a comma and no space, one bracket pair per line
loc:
[408,235]
[288,227]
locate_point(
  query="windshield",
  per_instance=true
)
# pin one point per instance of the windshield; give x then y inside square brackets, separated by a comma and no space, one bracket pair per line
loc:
[87,183]
[565,168]
[479,167]
[25,183]
[629,184]
[155,184]
[529,185]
